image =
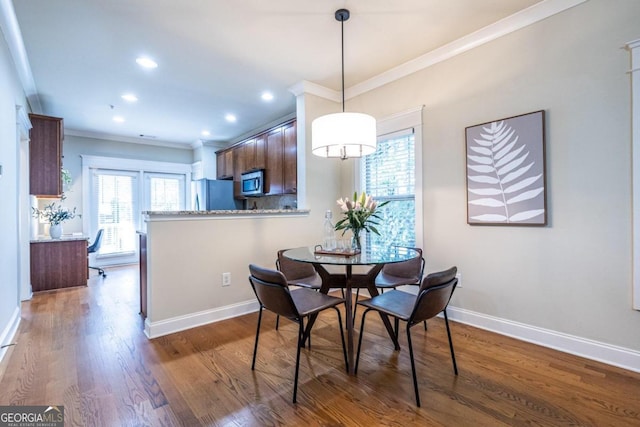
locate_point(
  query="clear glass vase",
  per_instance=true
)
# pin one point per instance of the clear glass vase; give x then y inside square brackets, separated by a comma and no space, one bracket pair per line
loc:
[355,241]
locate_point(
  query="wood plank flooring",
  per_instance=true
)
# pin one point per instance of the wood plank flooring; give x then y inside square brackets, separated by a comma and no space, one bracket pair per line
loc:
[84,348]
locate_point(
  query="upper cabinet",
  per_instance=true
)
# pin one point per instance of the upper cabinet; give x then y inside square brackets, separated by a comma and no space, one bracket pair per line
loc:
[224,164]
[281,173]
[275,151]
[45,155]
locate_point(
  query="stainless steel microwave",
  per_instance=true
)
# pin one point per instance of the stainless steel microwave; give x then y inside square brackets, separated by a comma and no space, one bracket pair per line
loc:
[252,183]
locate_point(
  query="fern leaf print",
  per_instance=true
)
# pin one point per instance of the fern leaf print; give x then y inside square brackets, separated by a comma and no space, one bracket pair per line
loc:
[505,171]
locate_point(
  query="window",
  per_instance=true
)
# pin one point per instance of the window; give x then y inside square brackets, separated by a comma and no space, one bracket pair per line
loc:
[165,192]
[389,175]
[116,210]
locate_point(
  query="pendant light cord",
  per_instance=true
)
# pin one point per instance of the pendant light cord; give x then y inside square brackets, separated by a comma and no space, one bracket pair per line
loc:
[342,41]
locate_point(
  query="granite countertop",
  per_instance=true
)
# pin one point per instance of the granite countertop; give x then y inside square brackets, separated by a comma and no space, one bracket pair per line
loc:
[248,212]
[64,238]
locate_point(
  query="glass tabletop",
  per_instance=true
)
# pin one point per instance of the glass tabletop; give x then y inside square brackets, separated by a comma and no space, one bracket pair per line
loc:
[377,255]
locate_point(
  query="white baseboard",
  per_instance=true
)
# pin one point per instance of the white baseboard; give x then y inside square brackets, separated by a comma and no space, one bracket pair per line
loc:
[9,332]
[180,323]
[594,350]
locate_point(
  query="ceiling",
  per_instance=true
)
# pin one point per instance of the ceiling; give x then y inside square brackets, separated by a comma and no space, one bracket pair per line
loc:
[216,57]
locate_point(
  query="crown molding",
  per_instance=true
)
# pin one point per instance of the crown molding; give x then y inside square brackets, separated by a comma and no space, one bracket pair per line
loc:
[127,139]
[515,22]
[306,86]
[13,36]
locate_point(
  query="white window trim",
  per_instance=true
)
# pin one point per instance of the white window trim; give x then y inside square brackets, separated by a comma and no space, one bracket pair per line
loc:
[139,166]
[398,122]
[634,48]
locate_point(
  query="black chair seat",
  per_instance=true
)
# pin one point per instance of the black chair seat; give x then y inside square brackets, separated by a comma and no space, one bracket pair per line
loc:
[309,302]
[394,303]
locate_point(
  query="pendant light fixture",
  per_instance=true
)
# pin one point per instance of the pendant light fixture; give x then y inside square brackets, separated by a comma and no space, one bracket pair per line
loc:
[343,134]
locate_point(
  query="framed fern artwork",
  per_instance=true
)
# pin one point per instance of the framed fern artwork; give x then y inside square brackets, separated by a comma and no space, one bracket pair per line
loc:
[506,182]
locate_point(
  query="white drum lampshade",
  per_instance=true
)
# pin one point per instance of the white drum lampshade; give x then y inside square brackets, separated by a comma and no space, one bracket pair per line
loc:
[343,135]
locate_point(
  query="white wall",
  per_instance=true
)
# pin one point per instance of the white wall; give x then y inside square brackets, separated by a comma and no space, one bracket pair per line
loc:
[9,151]
[573,276]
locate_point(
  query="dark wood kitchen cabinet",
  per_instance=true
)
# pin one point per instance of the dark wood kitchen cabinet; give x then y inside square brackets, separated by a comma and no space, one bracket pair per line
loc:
[255,153]
[224,164]
[290,162]
[45,155]
[282,159]
[57,264]
[273,174]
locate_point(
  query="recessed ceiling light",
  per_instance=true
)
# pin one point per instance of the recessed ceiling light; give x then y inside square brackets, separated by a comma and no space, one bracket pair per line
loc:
[118,119]
[129,97]
[145,62]
[267,96]
[205,133]
[230,118]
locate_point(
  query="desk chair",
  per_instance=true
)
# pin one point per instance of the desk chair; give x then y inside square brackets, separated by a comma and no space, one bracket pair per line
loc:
[94,247]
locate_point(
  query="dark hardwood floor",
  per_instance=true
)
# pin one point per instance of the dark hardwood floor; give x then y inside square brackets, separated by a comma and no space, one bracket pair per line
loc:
[84,348]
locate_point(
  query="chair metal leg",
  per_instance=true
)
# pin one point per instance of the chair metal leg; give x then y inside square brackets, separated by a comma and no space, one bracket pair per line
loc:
[344,347]
[425,325]
[355,371]
[255,347]
[355,307]
[277,321]
[453,356]
[413,367]
[300,344]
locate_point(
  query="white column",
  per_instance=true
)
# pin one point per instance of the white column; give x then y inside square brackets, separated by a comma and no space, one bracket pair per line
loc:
[634,48]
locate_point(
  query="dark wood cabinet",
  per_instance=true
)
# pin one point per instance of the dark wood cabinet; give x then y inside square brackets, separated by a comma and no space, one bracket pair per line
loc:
[281,173]
[274,183]
[255,153]
[59,264]
[45,155]
[224,164]
[275,151]
[143,273]
[290,159]
[238,168]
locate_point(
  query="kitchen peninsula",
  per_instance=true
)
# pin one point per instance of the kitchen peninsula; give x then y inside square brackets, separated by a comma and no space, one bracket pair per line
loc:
[187,253]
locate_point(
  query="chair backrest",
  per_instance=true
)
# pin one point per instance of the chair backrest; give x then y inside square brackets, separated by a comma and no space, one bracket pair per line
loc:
[95,246]
[412,268]
[294,270]
[434,294]
[272,291]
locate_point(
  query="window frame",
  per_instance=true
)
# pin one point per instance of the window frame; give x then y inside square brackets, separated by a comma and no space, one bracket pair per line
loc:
[398,123]
[140,167]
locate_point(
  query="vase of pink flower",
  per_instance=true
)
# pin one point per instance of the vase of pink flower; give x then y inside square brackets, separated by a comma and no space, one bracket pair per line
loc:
[360,214]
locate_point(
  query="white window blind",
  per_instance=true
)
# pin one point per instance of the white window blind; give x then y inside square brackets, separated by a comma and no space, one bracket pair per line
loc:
[116,201]
[389,175]
[165,192]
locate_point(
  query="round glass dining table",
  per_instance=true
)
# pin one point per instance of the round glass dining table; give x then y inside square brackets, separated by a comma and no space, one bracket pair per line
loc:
[377,257]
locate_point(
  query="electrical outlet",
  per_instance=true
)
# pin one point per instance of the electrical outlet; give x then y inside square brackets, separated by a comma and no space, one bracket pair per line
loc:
[226,279]
[459,277]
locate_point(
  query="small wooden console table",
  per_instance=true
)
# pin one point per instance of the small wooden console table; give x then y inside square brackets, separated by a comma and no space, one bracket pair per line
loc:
[59,263]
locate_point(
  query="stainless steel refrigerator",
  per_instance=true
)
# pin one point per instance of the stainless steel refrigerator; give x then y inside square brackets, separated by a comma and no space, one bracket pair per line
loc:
[212,195]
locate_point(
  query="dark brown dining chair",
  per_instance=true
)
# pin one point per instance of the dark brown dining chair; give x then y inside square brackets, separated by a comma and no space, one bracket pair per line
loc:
[399,274]
[298,273]
[402,274]
[273,294]
[433,297]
